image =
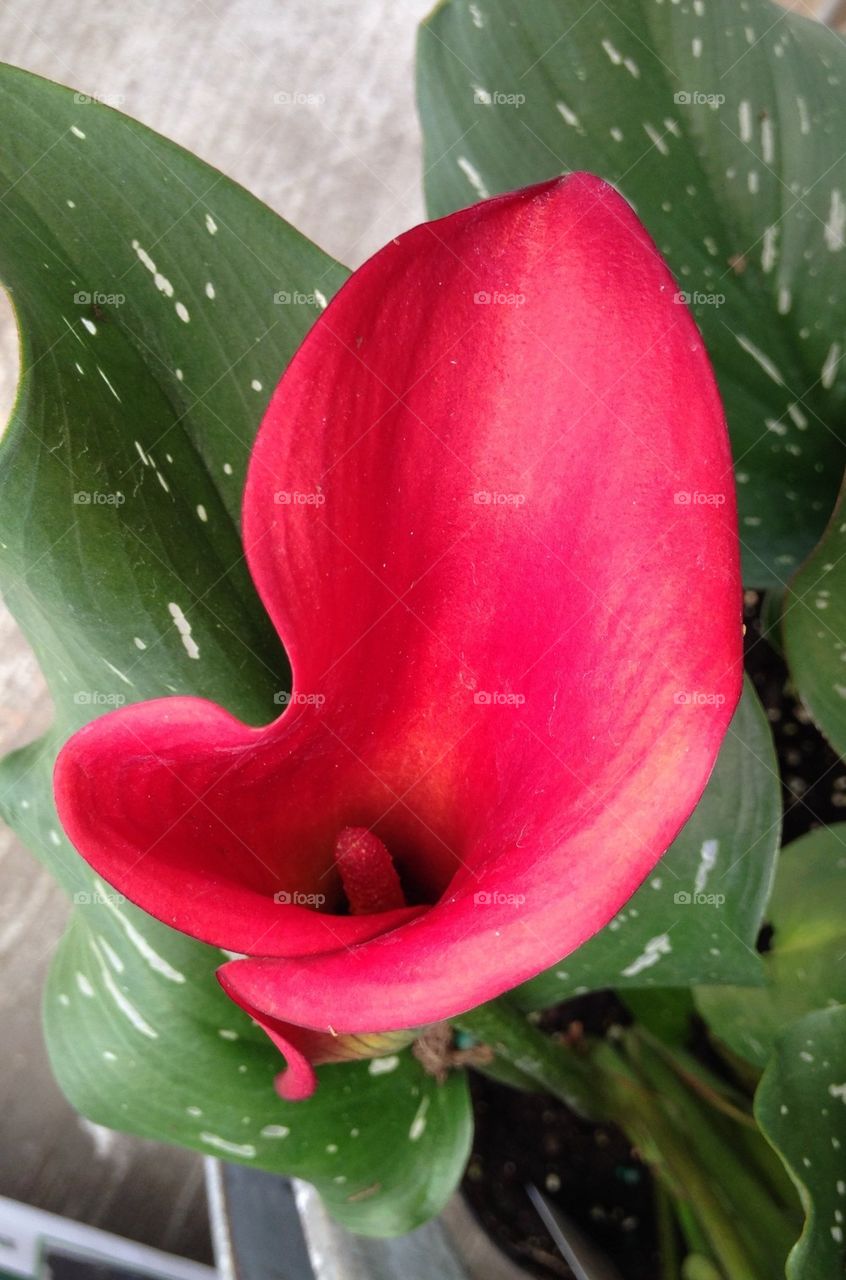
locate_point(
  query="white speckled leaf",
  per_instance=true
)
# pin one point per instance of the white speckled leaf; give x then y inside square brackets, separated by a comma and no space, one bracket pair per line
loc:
[696,918]
[143,1038]
[158,304]
[814,630]
[801,1108]
[723,122]
[804,966]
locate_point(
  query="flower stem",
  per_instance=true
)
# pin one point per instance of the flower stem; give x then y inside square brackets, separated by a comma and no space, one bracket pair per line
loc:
[720,1148]
[692,1146]
[512,1037]
[642,1114]
[665,1229]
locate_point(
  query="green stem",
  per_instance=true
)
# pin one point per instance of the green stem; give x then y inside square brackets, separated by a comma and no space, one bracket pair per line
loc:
[698,1267]
[694,1236]
[682,1136]
[719,1149]
[665,1229]
[534,1054]
[642,1116]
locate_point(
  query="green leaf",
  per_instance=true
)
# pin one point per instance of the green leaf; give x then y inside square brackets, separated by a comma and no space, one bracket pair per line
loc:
[697,917]
[138,1004]
[801,1108]
[121,474]
[744,197]
[813,626]
[804,966]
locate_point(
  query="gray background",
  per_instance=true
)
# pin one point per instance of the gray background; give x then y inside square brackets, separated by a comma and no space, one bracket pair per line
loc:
[346,171]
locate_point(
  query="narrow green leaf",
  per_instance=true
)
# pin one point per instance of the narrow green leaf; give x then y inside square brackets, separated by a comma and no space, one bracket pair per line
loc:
[814,626]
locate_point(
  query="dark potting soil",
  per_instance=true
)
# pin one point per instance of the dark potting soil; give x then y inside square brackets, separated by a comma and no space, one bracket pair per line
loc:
[813,776]
[590,1171]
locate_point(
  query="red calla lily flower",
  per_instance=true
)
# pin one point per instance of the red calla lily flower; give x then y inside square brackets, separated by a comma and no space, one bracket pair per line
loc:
[490,513]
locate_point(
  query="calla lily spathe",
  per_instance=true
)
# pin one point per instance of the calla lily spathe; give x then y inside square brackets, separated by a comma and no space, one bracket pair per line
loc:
[490,512]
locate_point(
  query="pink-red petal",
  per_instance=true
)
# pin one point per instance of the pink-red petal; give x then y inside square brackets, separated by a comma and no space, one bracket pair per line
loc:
[490,511]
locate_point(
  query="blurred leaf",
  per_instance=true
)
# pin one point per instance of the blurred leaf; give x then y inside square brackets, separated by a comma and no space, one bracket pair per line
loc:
[723,124]
[814,631]
[805,967]
[158,304]
[697,917]
[772,605]
[801,1108]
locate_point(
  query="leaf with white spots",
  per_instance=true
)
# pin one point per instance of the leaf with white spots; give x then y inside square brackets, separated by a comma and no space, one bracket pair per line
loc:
[804,965]
[814,630]
[696,918]
[146,286]
[142,1038]
[801,1108]
[722,121]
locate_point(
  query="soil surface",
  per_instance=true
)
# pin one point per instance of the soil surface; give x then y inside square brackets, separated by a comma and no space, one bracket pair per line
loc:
[813,776]
[590,1171]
